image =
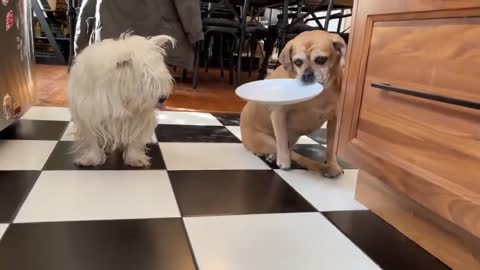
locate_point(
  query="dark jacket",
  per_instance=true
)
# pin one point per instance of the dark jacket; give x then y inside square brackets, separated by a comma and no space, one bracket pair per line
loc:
[180,19]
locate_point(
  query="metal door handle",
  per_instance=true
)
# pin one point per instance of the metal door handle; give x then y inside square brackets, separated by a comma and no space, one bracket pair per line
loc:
[453,101]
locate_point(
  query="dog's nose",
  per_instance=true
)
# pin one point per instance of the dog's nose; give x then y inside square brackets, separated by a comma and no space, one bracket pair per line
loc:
[308,77]
[162,99]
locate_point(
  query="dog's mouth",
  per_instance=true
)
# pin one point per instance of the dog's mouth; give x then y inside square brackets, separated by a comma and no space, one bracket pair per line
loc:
[161,103]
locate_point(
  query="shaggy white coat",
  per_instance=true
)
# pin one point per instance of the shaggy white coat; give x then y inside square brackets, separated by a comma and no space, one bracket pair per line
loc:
[113,89]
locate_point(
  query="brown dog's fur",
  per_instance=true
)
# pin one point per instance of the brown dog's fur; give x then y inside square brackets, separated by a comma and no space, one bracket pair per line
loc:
[268,130]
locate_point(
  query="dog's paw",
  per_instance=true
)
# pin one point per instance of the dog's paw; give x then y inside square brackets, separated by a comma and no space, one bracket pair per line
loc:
[283,161]
[136,159]
[270,158]
[91,158]
[332,170]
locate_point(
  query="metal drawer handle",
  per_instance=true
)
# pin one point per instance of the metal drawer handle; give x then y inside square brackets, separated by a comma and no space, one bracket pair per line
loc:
[443,99]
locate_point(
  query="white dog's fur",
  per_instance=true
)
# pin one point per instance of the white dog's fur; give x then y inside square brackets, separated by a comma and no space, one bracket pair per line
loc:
[113,89]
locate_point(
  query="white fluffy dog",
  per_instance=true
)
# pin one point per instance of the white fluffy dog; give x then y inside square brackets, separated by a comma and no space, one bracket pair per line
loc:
[113,89]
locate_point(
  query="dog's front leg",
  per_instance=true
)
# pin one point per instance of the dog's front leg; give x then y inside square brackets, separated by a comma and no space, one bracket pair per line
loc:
[279,123]
[134,156]
[332,169]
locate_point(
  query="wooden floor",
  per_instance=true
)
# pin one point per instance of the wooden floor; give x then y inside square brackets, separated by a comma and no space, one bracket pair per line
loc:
[213,94]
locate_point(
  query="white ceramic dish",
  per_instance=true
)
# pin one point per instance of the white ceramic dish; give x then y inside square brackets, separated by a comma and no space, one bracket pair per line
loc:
[278,91]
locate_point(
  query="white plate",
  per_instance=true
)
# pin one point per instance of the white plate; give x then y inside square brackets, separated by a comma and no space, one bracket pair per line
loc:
[278,91]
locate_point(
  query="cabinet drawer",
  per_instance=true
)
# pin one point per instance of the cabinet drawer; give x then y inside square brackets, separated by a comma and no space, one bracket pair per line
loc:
[443,139]
[439,56]
[430,117]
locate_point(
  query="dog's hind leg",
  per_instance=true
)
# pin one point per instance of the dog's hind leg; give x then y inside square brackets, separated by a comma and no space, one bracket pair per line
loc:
[307,163]
[333,169]
[330,168]
[259,143]
[87,149]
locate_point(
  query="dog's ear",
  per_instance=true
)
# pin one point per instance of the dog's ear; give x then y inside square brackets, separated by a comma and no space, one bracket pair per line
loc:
[162,40]
[285,57]
[340,47]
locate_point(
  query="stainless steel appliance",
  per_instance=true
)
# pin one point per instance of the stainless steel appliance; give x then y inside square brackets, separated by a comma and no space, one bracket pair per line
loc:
[16,83]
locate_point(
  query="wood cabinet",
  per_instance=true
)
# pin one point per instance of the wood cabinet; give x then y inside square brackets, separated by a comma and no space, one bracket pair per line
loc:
[410,109]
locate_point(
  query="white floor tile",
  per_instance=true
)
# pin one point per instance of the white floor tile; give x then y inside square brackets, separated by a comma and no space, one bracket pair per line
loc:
[209,156]
[300,241]
[325,194]
[306,140]
[187,118]
[235,130]
[68,133]
[99,195]
[47,113]
[24,154]
[3,228]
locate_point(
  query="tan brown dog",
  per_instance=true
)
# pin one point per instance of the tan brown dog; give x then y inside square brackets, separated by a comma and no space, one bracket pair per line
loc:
[314,56]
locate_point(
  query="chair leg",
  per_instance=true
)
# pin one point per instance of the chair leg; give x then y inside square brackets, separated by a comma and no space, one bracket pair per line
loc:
[283,35]
[222,73]
[269,44]
[253,54]
[231,61]
[243,26]
[198,47]
[207,55]
[239,56]
[184,75]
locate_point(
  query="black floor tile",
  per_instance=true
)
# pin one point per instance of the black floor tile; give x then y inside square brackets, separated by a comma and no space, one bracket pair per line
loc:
[34,130]
[177,133]
[61,158]
[385,245]
[157,244]
[204,193]
[228,119]
[14,188]
[320,136]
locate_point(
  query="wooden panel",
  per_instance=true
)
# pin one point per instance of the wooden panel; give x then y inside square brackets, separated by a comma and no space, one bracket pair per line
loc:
[447,242]
[452,192]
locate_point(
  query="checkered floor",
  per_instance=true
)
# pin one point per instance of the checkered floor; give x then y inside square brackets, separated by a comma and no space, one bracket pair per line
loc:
[205,203]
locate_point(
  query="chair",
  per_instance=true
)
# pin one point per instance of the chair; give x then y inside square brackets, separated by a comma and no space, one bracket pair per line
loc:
[279,34]
[221,21]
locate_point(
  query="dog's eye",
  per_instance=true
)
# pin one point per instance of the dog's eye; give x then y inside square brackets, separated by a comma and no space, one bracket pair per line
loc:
[298,62]
[321,60]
